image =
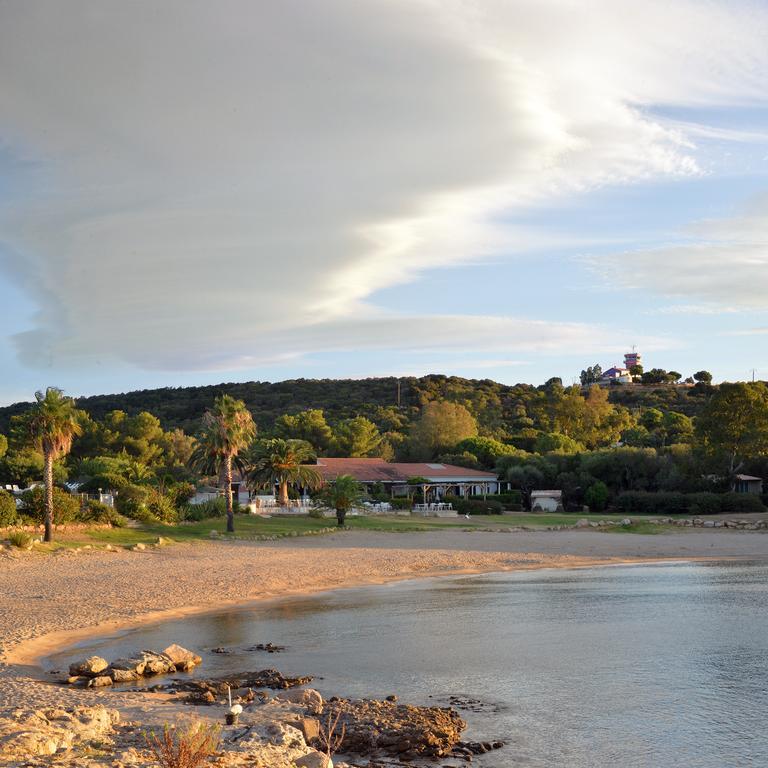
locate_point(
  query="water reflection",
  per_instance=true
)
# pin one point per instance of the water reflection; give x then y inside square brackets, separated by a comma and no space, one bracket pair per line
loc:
[638,666]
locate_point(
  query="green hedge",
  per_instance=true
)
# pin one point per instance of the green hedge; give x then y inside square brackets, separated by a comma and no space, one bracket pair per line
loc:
[646,503]
[509,499]
[400,503]
[475,506]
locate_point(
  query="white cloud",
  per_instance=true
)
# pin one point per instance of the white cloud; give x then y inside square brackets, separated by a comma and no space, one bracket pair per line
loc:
[724,264]
[211,185]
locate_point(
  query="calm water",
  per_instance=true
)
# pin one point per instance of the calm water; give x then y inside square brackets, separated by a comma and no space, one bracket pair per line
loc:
[632,666]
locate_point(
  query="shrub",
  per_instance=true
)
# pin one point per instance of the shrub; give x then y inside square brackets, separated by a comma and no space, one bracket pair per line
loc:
[107,482]
[208,509]
[400,502]
[162,507]
[475,506]
[742,503]
[184,747]
[97,512]
[510,499]
[20,539]
[8,513]
[316,512]
[704,503]
[66,507]
[597,496]
[646,503]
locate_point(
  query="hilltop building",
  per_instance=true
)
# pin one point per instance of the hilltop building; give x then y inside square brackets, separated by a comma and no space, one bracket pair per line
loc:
[632,358]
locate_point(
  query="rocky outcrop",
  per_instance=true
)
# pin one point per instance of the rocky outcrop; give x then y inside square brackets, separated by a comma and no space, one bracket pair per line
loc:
[44,732]
[95,671]
[370,726]
[308,698]
[216,689]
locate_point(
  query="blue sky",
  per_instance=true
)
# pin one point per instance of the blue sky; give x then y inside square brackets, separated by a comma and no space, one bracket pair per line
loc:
[499,190]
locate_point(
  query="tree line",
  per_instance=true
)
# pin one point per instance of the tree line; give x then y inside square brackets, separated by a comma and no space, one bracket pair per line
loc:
[548,436]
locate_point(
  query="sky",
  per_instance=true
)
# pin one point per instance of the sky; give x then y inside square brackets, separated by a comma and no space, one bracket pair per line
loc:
[196,192]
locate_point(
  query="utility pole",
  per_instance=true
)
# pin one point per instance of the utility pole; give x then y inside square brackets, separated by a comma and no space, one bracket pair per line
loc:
[398,393]
[754,370]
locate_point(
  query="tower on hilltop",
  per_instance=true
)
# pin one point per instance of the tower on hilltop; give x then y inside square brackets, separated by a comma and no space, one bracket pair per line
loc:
[632,358]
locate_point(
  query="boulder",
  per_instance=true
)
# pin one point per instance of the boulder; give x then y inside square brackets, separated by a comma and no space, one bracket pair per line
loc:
[305,697]
[135,665]
[314,760]
[156,664]
[89,667]
[282,735]
[310,728]
[101,681]
[122,675]
[181,658]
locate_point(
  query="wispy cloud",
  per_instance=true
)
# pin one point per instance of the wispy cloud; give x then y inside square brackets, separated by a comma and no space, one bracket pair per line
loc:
[723,263]
[213,185]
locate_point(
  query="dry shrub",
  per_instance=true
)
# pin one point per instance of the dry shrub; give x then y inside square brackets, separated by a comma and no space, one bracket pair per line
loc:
[331,740]
[186,747]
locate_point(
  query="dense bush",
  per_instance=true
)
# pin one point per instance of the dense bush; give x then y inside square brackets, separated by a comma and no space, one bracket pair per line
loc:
[509,499]
[105,482]
[475,506]
[8,513]
[644,503]
[400,503]
[597,496]
[744,503]
[66,507]
[208,509]
[96,512]
[162,507]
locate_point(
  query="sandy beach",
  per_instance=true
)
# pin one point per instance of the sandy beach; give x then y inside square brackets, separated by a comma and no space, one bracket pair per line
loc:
[50,601]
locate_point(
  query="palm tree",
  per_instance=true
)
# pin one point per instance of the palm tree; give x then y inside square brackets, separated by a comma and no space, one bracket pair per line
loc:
[282,462]
[228,429]
[342,495]
[52,424]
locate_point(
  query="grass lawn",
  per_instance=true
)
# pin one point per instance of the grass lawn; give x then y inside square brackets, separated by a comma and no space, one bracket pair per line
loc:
[255,527]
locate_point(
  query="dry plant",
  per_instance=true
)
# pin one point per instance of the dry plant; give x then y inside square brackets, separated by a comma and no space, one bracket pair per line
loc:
[330,741]
[187,747]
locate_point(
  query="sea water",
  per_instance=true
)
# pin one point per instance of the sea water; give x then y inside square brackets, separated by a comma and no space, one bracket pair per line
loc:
[627,666]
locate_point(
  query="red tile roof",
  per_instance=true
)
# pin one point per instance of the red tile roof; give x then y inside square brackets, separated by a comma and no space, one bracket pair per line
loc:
[380,471]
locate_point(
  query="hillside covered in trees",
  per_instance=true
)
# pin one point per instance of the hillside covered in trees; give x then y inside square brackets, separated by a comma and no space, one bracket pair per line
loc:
[594,443]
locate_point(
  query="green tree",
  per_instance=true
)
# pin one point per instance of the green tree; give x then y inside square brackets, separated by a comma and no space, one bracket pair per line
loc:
[341,495]
[281,462]
[3,445]
[309,425]
[440,426]
[733,425]
[52,424]
[597,496]
[486,449]
[655,376]
[228,429]
[356,437]
[553,442]
[705,377]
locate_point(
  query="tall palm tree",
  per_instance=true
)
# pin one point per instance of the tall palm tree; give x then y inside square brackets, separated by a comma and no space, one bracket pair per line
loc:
[228,429]
[342,494]
[282,462]
[52,424]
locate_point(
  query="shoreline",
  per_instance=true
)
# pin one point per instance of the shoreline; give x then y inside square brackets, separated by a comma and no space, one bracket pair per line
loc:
[51,603]
[32,652]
